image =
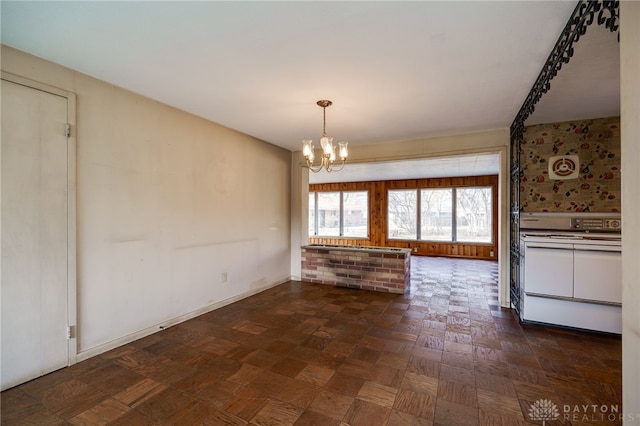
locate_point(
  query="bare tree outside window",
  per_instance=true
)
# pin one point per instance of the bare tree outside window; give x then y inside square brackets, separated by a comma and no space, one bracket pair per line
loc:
[473,214]
[355,214]
[436,208]
[402,213]
[461,214]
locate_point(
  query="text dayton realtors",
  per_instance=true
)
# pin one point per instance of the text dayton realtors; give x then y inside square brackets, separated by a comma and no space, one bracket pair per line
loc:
[594,412]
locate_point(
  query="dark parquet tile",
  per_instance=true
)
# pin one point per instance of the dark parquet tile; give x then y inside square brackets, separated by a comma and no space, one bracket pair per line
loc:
[444,354]
[167,406]
[138,393]
[103,413]
[399,418]
[219,393]
[457,392]
[70,398]
[416,403]
[331,404]
[452,414]
[363,413]
[298,393]
[247,403]
[277,413]
[311,418]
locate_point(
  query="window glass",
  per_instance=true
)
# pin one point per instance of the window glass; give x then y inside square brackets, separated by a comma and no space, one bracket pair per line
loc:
[355,214]
[473,214]
[436,214]
[402,214]
[328,214]
[312,213]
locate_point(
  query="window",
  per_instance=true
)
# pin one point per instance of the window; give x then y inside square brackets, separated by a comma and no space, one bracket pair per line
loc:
[328,213]
[355,214]
[473,214]
[312,214]
[402,214]
[445,214]
[435,218]
[339,214]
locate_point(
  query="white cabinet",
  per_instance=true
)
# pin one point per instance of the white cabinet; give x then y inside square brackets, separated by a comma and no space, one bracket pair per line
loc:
[549,269]
[572,283]
[597,274]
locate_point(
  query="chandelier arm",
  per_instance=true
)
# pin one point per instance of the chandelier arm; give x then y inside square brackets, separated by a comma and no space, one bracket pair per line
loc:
[314,170]
[324,163]
[333,169]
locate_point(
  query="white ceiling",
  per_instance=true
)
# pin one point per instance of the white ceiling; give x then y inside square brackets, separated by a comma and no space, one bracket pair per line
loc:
[394,70]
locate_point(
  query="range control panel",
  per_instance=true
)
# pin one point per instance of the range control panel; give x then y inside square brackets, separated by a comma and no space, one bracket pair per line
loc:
[602,224]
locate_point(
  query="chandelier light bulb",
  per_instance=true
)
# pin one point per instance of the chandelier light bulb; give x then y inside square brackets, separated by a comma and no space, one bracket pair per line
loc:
[327,145]
[344,151]
[307,148]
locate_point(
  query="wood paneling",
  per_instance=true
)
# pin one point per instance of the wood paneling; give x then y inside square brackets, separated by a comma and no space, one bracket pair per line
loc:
[378,216]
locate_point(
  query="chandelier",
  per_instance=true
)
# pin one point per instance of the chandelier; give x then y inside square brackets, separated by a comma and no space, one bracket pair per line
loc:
[328,156]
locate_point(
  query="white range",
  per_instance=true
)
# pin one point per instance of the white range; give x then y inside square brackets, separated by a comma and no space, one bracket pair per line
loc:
[571,270]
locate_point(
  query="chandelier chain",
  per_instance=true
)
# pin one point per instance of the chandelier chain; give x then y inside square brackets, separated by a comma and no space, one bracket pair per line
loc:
[324,122]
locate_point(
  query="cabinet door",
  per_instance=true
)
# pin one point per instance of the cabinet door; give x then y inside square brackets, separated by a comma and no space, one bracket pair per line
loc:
[598,274]
[548,269]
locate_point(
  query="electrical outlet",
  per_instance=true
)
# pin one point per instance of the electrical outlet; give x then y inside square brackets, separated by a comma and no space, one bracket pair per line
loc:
[415,249]
[223,277]
[491,253]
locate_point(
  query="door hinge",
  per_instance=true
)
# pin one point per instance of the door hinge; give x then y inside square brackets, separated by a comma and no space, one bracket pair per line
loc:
[67,129]
[70,332]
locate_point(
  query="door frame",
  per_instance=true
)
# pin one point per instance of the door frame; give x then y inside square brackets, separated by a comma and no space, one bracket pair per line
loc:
[72,342]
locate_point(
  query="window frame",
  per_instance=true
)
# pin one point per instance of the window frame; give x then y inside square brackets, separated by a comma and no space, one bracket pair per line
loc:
[452,206]
[491,215]
[454,225]
[417,213]
[341,215]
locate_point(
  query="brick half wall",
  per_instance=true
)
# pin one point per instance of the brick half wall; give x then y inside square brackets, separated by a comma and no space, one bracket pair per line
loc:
[367,268]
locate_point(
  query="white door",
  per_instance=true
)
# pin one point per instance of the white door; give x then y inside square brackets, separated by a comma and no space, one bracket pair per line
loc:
[34,234]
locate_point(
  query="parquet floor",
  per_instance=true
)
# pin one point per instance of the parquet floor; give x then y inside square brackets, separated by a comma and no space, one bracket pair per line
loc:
[308,354]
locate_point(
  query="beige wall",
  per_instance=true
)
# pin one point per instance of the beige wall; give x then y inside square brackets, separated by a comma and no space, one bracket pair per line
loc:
[630,132]
[166,203]
[493,141]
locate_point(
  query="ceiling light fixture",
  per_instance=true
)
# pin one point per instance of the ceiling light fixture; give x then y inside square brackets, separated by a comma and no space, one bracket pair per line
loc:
[328,155]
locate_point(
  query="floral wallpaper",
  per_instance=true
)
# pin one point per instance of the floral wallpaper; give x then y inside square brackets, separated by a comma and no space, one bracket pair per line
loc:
[596,189]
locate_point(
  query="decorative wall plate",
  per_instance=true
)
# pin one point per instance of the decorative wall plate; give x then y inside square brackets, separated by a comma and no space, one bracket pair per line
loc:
[562,167]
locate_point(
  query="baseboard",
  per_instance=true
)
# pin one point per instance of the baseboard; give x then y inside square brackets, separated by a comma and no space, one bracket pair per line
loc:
[97,350]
